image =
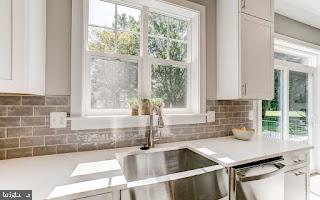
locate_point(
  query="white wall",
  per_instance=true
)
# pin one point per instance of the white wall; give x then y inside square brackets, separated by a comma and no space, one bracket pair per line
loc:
[58,47]
[58,43]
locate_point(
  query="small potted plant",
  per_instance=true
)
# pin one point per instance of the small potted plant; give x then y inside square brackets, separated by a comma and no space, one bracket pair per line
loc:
[134,106]
[145,107]
[158,104]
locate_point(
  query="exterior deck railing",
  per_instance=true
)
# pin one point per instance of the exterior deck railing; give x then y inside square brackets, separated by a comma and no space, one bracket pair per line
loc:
[297,128]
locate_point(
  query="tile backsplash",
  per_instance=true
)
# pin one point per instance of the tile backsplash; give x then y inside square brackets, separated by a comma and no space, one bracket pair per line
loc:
[24,128]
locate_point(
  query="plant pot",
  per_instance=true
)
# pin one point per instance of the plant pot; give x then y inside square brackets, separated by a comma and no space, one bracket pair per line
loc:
[145,107]
[134,110]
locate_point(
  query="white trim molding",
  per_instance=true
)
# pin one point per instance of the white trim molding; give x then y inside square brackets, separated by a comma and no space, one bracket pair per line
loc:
[124,121]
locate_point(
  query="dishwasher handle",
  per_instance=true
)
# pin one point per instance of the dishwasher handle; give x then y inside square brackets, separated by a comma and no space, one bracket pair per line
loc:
[263,176]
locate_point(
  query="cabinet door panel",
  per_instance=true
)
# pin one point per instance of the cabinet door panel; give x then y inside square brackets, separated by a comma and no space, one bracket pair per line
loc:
[258,8]
[5,39]
[296,184]
[256,58]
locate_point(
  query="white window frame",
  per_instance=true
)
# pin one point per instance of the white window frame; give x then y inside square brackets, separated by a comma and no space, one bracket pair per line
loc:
[197,73]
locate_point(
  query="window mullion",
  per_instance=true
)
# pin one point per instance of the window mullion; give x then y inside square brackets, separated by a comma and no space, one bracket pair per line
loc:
[285,105]
[145,77]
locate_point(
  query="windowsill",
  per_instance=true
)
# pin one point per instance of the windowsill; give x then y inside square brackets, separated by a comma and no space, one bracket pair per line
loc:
[125,121]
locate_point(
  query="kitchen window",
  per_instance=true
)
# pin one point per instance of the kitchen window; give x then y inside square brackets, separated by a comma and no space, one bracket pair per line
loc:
[138,49]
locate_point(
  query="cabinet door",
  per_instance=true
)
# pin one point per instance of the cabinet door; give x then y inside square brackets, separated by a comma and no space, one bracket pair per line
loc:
[263,9]
[256,58]
[296,184]
[5,39]
[12,40]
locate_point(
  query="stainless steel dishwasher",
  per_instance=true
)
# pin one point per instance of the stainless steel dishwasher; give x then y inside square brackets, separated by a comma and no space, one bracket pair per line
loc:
[262,180]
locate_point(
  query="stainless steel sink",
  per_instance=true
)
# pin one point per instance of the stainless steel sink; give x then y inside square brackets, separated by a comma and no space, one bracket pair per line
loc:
[211,185]
[147,165]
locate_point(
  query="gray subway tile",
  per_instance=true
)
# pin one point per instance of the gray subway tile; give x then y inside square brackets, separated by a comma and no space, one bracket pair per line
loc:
[67,148]
[87,147]
[57,100]
[65,131]
[19,153]
[33,100]
[33,121]
[9,121]
[44,110]
[47,150]
[3,111]
[20,111]
[9,143]
[106,145]
[31,141]
[55,139]
[10,100]
[63,109]
[2,132]
[73,138]
[43,131]
[18,132]
[2,154]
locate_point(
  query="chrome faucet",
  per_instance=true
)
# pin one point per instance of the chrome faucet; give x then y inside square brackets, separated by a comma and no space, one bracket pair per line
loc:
[150,133]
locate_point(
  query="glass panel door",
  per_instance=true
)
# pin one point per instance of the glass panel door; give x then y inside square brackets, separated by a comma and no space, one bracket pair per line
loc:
[287,115]
[272,110]
[298,106]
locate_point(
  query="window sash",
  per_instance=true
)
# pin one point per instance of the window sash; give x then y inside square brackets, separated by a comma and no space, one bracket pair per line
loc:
[145,62]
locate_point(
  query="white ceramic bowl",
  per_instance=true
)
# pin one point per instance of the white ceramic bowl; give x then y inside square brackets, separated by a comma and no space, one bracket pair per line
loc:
[243,135]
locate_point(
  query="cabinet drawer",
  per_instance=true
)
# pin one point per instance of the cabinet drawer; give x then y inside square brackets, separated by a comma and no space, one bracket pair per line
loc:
[105,196]
[295,158]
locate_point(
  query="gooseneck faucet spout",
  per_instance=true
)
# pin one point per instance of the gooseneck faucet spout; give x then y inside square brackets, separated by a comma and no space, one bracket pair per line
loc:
[150,133]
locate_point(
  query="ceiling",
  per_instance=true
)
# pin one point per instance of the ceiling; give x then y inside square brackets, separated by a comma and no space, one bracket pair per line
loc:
[305,11]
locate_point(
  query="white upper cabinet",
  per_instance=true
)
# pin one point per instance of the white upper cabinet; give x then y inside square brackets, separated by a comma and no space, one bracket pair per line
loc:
[22,49]
[259,8]
[245,50]
[256,58]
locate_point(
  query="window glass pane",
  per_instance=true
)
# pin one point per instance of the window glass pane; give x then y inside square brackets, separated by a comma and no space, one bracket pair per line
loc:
[101,40]
[292,58]
[158,24]
[128,19]
[113,82]
[178,29]
[298,105]
[128,43]
[170,84]
[157,47]
[272,112]
[178,51]
[101,13]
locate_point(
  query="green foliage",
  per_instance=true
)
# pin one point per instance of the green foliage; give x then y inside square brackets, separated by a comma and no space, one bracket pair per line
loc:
[168,82]
[133,101]
[274,104]
[157,102]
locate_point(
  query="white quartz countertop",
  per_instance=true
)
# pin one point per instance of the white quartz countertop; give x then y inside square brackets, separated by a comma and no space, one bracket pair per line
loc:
[72,175]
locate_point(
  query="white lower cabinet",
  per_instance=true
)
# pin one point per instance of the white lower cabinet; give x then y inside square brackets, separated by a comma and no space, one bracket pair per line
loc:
[297,184]
[105,196]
